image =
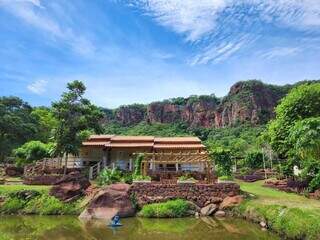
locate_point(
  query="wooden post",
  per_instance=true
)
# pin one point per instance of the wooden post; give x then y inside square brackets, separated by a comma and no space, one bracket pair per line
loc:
[90,173]
[130,164]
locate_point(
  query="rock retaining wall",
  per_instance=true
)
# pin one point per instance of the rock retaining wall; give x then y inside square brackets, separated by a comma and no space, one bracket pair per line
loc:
[200,194]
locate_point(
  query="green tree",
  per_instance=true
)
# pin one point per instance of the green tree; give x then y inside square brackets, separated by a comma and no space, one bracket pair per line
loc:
[305,139]
[254,160]
[17,125]
[223,161]
[33,151]
[302,102]
[75,114]
[47,123]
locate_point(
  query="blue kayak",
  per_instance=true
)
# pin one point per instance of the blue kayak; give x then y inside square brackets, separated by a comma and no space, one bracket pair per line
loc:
[115,225]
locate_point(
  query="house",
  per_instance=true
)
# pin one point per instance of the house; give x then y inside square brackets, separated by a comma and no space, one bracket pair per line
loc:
[171,154]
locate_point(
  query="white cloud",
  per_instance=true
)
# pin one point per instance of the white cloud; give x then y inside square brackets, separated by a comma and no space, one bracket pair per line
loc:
[33,13]
[280,52]
[219,28]
[38,87]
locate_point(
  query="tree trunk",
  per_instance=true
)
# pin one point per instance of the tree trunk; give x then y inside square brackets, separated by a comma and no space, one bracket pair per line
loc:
[65,164]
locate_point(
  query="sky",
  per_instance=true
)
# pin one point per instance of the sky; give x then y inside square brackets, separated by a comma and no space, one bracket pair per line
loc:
[139,51]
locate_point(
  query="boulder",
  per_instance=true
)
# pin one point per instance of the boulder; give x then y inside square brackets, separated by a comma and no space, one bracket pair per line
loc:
[13,171]
[70,187]
[41,179]
[220,213]
[229,202]
[109,201]
[209,209]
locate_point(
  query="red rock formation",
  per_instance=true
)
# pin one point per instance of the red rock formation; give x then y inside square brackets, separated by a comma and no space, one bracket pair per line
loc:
[247,102]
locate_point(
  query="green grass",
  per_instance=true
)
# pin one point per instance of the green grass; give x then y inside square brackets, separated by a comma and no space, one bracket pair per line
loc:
[272,196]
[41,203]
[169,209]
[288,214]
[19,187]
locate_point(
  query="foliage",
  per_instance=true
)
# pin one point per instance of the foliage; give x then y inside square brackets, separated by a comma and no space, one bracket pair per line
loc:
[147,129]
[239,140]
[302,102]
[226,178]
[254,160]
[222,160]
[141,178]
[294,223]
[110,176]
[32,151]
[17,125]
[47,123]
[169,209]
[186,178]
[37,202]
[137,164]
[74,114]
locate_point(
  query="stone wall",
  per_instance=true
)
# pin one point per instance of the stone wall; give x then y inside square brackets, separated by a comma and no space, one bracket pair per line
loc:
[200,194]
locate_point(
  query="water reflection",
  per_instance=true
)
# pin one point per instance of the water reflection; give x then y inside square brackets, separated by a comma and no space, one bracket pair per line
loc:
[68,227]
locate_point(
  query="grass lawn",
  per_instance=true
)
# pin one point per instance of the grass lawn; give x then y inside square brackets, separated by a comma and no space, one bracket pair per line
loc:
[17,187]
[271,196]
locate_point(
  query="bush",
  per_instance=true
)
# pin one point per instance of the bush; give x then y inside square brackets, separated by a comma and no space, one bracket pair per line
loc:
[170,209]
[223,161]
[110,176]
[254,160]
[226,178]
[141,177]
[32,151]
[36,202]
[186,178]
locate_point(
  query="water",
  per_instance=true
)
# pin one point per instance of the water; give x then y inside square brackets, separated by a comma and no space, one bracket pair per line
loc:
[70,228]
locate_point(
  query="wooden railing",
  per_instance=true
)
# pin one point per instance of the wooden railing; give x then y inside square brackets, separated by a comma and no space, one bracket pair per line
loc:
[95,170]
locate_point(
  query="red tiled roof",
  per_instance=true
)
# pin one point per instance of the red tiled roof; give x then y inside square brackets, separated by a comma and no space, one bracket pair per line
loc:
[178,146]
[114,141]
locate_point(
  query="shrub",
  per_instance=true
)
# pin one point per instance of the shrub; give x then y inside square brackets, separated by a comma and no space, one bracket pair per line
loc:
[226,178]
[32,151]
[223,161]
[49,205]
[12,205]
[169,209]
[254,160]
[36,202]
[141,177]
[186,178]
[110,176]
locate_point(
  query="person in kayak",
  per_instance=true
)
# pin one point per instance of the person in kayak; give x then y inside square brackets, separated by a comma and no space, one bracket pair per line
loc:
[115,220]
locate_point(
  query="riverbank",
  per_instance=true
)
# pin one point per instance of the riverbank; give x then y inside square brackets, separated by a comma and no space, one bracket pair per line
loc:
[24,199]
[289,215]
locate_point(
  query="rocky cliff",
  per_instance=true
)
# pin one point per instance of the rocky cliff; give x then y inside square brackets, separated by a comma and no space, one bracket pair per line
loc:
[247,102]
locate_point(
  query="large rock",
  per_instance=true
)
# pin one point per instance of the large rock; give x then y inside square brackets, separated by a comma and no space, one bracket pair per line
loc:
[70,187]
[230,202]
[109,201]
[13,171]
[208,210]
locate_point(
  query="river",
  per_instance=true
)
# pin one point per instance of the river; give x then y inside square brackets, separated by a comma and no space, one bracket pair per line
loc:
[71,228]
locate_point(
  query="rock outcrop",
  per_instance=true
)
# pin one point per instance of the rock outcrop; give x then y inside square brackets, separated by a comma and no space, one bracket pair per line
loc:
[70,187]
[109,201]
[247,102]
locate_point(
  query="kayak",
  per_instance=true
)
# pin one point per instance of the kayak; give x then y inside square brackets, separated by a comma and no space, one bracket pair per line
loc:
[115,225]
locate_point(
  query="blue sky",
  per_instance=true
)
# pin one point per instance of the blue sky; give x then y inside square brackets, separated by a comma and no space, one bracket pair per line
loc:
[139,51]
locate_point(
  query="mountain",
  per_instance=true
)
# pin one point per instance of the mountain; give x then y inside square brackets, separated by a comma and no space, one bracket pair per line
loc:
[249,101]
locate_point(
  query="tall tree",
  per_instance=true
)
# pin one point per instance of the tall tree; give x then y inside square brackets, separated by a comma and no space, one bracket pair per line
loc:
[302,102]
[76,116]
[47,123]
[17,125]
